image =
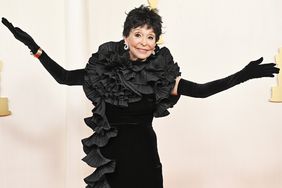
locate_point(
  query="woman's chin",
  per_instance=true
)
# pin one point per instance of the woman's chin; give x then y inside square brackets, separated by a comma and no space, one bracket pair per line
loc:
[139,57]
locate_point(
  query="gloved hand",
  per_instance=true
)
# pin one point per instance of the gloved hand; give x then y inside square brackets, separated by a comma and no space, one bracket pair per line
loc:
[21,36]
[62,76]
[257,70]
[253,70]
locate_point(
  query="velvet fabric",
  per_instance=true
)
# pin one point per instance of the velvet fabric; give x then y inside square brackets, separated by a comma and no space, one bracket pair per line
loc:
[112,79]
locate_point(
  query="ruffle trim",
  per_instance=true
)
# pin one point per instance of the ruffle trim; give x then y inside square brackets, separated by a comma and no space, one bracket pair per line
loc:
[112,78]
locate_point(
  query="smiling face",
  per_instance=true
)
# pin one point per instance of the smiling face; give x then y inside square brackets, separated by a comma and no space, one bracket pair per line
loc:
[141,42]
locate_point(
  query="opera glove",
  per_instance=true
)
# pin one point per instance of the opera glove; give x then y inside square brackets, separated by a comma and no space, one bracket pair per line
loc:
[253,70]
[21,36]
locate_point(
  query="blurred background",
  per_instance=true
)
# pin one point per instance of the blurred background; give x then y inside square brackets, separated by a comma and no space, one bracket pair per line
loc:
[232,139]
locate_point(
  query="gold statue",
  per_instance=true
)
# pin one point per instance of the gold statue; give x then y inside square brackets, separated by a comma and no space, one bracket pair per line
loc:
[4,110]
[277,91]
[153,4]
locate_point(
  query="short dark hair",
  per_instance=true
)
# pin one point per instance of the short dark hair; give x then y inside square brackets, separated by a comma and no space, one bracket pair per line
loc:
[141,16]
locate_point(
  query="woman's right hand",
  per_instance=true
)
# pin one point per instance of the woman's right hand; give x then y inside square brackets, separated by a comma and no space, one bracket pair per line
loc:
[21,36]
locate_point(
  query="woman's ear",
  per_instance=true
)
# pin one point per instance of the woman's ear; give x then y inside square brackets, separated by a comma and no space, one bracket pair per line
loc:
[125,40]
[126,47]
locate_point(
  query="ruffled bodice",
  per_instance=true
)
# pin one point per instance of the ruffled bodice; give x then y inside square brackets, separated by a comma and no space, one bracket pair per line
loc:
[112,80]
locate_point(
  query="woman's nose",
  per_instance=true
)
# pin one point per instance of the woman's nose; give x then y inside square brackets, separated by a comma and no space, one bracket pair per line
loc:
[143,41]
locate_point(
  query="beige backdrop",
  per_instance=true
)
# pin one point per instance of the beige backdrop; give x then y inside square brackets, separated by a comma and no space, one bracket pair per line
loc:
[232,139]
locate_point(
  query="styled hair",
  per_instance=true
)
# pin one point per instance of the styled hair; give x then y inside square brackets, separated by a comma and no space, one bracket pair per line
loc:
[141,16]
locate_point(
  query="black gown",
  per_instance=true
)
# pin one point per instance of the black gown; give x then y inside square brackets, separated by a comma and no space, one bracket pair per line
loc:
[135,147]
[126,95]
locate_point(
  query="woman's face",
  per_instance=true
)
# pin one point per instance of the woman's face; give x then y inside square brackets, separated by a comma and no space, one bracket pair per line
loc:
[141,42]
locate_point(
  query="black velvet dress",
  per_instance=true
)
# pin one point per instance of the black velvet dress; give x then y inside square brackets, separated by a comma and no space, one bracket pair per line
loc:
[134,149]
[126,95]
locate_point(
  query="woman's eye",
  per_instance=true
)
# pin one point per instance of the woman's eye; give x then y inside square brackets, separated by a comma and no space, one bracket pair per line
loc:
[137,35]
[151,37]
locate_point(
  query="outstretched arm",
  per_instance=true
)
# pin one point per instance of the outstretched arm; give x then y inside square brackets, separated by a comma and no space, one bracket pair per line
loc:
[253,70]
[62,76]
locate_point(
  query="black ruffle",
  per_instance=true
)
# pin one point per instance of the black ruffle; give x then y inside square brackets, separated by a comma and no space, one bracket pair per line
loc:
[112,78]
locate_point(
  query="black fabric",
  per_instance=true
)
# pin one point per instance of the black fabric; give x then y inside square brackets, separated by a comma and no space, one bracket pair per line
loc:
[112,79]
[253,70]
[21,35]
[136,155]
[134,149]
[62,76]
[126,95]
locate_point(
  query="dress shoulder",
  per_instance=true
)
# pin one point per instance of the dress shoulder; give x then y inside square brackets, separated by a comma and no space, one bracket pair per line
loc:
[109,46]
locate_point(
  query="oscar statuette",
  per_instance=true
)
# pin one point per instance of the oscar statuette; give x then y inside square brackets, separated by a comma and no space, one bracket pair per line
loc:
[4,110]
[277,90]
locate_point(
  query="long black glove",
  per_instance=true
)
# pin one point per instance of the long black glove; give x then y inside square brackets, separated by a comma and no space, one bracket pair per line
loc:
[253,70]
[62,76]
[21,36]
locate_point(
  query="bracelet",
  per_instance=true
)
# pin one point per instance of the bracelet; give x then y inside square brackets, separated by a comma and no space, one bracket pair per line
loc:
[38,53]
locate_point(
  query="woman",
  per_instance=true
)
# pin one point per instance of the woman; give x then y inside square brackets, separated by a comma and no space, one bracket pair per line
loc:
[129,83]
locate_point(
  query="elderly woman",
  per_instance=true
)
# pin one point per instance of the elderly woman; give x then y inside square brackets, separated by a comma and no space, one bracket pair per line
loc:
[130,82]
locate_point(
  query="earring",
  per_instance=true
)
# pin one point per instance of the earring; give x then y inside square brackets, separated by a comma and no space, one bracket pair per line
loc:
[125,47]
[157,48]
